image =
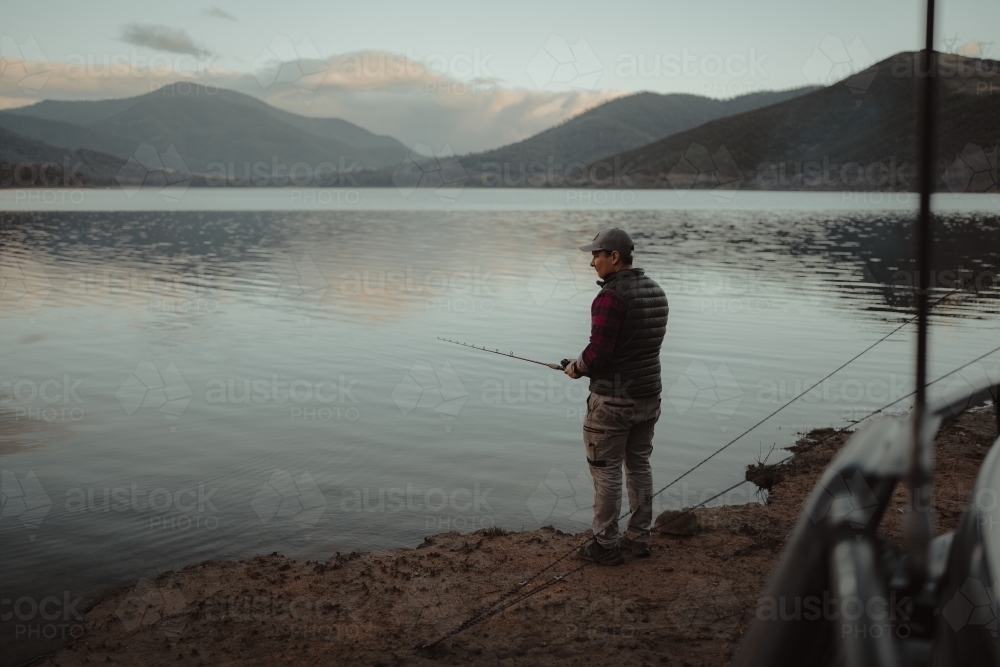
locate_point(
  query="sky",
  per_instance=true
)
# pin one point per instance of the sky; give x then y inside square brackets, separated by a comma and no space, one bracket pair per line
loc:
[462,76]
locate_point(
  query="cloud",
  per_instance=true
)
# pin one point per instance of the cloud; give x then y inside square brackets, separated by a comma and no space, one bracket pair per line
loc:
[161,38]
[216,13]
[466,123]
[79,79]
[386,94]
[389,94]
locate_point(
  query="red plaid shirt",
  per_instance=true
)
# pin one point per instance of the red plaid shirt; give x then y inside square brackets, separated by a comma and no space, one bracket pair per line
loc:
[607,314]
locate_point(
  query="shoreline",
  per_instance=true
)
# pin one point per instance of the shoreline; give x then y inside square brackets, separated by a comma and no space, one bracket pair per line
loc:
[688,604]
[641,183]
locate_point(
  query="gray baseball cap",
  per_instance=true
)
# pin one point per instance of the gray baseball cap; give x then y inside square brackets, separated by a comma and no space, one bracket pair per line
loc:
[610,239]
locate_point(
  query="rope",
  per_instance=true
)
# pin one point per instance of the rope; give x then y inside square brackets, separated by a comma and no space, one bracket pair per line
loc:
[499,605]
[502,602]
[816,384]
[948,374]
[496,607]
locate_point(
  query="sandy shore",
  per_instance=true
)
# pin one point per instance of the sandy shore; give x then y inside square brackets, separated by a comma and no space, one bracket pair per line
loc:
[686,605]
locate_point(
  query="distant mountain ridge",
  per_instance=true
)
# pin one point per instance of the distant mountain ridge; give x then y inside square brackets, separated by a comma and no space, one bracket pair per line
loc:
[621,124]
[26,162]
[858,134]
[233,138]
[211,129]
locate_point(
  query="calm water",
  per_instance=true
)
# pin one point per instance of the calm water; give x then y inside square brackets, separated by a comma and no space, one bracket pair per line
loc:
[223,376]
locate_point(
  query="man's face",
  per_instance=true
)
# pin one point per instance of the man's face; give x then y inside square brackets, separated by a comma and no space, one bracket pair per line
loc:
[604,262]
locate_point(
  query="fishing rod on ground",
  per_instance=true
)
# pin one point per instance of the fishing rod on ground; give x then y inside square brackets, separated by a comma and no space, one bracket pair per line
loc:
[505,601]
[519,593]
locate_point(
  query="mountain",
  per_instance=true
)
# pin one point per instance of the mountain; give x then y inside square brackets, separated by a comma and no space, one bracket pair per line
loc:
[26,162]
[79,113]
[619,125]
[72,136]
[337,129]
[858,134]
[213,131]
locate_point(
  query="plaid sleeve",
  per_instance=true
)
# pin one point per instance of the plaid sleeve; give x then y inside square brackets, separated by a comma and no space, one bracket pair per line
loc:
[606,316]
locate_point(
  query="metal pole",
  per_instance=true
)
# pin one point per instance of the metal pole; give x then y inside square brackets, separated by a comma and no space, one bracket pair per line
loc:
[918,525]
[995,392]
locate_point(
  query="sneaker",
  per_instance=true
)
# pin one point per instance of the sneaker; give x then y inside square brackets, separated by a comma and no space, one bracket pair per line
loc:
[595,553]
[639,549]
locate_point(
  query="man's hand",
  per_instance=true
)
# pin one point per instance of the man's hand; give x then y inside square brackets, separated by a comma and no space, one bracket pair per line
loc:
[570,370]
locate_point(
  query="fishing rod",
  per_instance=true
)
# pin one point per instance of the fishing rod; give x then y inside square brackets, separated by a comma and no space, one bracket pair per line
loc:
[519,592]
[561,366]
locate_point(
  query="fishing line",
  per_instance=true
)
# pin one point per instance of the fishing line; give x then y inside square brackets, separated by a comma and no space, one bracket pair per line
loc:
[503,602]
[819,382]
[497,605]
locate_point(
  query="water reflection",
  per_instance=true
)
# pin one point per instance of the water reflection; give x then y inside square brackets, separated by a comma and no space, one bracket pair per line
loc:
[380,266]
[158,328]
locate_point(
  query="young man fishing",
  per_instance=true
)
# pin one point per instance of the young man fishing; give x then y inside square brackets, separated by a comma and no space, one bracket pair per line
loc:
[628,321]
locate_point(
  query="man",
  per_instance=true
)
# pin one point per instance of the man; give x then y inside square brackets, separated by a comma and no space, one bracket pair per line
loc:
[628,321]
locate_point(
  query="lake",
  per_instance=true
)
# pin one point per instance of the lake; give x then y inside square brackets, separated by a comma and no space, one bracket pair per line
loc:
[219,374]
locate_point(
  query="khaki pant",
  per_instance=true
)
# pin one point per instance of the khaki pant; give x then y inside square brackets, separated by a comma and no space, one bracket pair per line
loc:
[617,431]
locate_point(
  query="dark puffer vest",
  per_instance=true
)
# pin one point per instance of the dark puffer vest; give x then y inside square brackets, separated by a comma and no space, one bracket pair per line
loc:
[635,365]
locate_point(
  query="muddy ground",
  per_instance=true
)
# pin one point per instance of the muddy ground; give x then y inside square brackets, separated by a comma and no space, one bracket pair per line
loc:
[686,605]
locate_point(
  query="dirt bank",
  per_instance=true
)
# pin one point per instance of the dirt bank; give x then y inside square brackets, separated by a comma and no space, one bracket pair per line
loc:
[686,605]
